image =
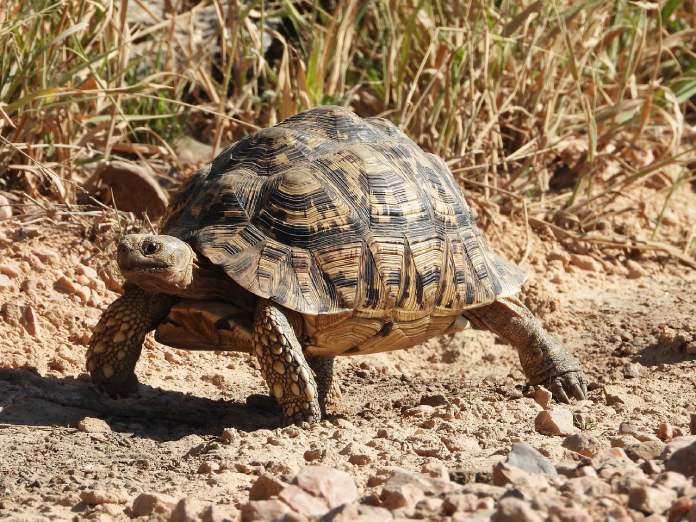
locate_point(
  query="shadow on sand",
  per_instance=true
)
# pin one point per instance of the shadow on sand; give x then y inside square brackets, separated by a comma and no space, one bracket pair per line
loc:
[29,399]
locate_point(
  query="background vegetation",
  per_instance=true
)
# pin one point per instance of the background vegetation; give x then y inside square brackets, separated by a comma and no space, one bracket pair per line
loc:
[550,109]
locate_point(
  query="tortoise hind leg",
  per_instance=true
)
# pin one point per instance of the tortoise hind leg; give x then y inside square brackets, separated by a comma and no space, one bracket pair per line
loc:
[118,339]
[544,360]
[283,365]
[327,385]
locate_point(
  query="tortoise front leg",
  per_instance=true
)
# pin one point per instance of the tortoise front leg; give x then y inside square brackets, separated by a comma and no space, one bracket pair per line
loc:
[544,360]
[284,366]
[118,339]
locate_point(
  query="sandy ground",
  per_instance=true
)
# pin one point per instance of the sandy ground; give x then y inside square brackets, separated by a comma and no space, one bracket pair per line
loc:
[456,402]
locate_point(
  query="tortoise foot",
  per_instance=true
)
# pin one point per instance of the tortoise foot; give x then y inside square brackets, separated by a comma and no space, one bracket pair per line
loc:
[566,385]
[117,387]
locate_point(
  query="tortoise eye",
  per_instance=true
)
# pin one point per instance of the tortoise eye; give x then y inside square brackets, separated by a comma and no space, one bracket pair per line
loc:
[150,247]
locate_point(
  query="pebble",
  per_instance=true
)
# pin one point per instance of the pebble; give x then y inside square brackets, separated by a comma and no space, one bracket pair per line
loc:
[635,271]
[527,458]
[133,188]
[302,502]
[515,510]
[30,321]
[5,208]
[11,270]
[66,285]
[336,487]
[620,395]
[543,397]
[585,444]
[313,454]
[586,263]
[152,503]
[358,513]
[274,509]
[92,425]
[644,450]
[112,495]
[650,500]
[265,487]
[558,421]
[680,508]
[680,455]
[5,282]
[397,496]
[191,510]
[665,431]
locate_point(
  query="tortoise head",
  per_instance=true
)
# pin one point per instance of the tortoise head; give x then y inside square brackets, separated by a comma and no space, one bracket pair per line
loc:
[159,264]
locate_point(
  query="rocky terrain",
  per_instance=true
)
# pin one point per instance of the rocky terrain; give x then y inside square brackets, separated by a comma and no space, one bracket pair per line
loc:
[444,431]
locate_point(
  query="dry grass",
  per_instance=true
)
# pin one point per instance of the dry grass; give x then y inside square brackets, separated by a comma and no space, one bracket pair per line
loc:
[551,108]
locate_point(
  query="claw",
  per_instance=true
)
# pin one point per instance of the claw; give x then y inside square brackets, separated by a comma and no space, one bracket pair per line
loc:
[558,392]
[576,391]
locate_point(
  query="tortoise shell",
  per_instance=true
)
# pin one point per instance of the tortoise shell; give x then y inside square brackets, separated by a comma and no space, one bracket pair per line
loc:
[331,214]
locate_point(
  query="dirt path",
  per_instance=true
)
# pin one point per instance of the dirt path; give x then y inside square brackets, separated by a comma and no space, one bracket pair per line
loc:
[456,402]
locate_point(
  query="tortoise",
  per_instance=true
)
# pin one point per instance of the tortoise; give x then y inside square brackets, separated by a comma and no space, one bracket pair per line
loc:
[325,235]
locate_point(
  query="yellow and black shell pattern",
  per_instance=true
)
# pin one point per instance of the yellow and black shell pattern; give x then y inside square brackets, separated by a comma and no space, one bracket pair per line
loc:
[330,213]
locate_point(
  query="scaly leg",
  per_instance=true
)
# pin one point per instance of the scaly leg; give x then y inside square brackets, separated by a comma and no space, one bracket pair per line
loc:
[118,339]
[327,385]
[283,365]
[544,360]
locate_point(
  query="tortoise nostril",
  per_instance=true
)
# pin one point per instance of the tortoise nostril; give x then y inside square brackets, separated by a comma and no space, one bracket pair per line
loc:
[149,247]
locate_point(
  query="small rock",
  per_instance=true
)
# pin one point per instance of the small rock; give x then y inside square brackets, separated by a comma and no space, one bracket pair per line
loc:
[95,497]
[152,503]
[273,510]
[92,425]
[586,263]
[619,395]
[543,397]
[313,454]
[133,188]
[190,151]
[400,496]
[333,485]
[265,487]
[680,509]
[585,444]
[190,510]
[527,458]
[11,270]
[30,321]
[504,474]
[558,421]
[358,513]
[434,400]
[680,455]
[650,500]
[435,469]
[515,510]
[645,450]
[302,502]
[208,467]
[460,502]
[635,271]
[5,282]
[5,208]
[568,514]
[665,431]
[359,459]
[65,285]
